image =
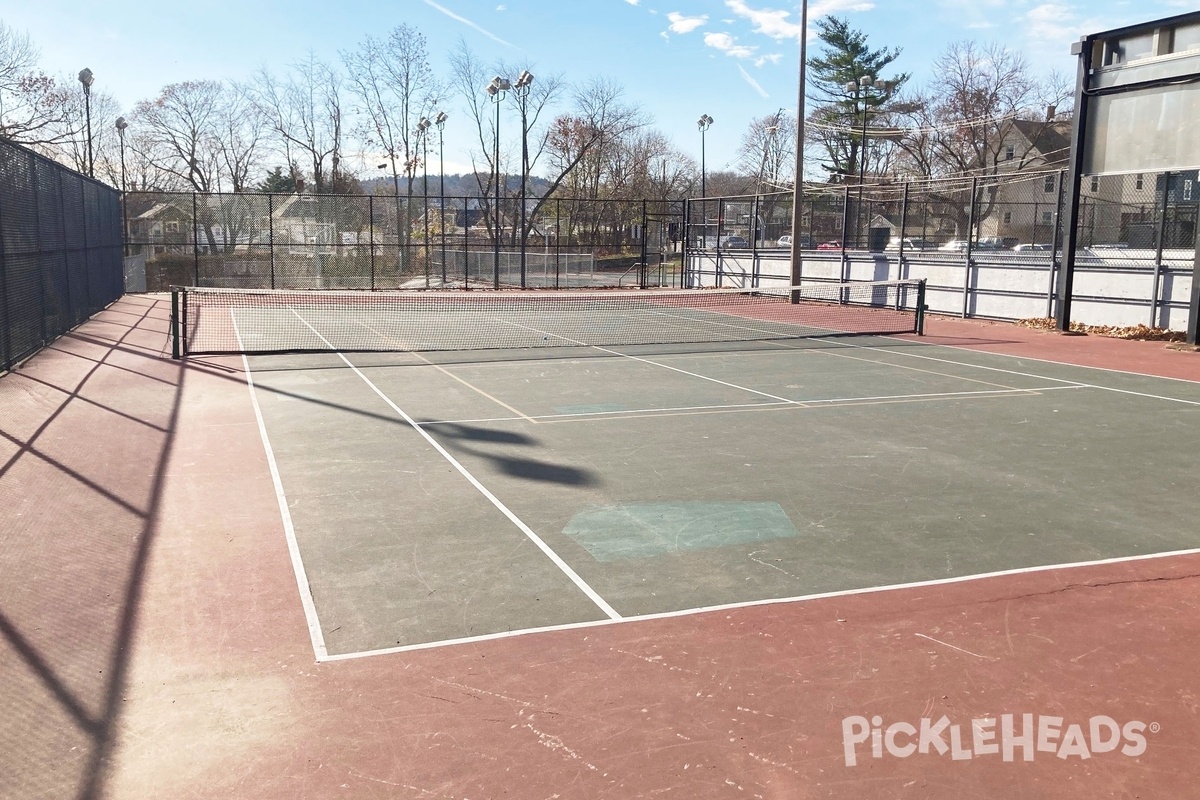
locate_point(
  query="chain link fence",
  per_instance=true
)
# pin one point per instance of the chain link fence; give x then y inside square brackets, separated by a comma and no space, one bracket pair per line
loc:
[988,246]
[301,241]
[60,251]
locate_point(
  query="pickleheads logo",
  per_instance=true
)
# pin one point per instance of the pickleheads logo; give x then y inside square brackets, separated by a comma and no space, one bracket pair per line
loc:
[1006,737]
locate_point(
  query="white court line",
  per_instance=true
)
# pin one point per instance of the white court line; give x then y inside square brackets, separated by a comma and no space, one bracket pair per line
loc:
[608,610]
[688,612]
[776,405]
[289,530]
[1079,384]
[653,363]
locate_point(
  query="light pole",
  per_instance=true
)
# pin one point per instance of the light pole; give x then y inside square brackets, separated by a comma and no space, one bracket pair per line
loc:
[121,126]
[704,123]
[87,79]
[862,90]
[768,139]
[440,122]
[798,184]
[423,126]
[496,90]
[522,90]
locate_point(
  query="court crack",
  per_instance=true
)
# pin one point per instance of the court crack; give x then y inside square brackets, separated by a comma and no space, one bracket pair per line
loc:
[1104,585]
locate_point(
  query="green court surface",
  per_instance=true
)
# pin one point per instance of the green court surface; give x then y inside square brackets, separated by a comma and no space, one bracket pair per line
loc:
[441,497]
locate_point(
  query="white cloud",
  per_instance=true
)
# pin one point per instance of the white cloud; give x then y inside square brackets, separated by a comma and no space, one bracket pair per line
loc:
[633,2]
[825,8]
[501,7]
[773,58]
[768,22]
[682,24]
[1058,24]
[780,25]
[753,83]
[728,45]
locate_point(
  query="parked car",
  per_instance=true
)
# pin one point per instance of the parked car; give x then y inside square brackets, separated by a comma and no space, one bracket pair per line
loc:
[829,246]
[735,242]
[786,241]
[1027,247]
[910,243]
[954,246]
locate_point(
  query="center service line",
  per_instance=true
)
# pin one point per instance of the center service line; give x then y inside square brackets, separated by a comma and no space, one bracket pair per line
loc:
[609,611]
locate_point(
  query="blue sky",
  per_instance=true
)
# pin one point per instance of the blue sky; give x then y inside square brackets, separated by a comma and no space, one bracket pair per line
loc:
[731,59]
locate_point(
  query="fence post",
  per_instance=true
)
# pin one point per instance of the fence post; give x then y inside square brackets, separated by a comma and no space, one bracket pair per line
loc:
[175,322]
[37,233]
[1158,250]
[371,238]
[6,327]
[1055,233]
[645,277]
[195,244]
[903,225]
[970,240]
[271,234]
[845,227]
[89,306]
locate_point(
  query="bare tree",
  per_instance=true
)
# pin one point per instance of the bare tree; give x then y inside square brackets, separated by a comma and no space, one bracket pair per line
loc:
[305,114]
[394,88]
[767,151]
[962,124]
[183,122]
[239,126]
[32,105]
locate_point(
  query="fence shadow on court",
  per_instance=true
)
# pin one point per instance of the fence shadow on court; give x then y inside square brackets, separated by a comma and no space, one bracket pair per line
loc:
[86,432]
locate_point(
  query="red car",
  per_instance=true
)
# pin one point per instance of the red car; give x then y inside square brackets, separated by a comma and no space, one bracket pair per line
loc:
[829,246]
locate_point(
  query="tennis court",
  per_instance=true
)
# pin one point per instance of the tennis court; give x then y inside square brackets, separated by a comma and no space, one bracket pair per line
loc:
[371,564]
[442,496]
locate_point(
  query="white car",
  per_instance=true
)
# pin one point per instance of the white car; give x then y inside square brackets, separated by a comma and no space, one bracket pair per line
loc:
[784,241]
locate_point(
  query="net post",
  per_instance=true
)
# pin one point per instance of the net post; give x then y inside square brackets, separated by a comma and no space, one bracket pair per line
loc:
[175,322]
[920,321]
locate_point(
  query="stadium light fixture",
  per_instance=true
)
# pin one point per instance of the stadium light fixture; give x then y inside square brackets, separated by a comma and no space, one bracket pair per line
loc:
[496,90]
[704,123]
[524,80]
[87,78]
[440,122]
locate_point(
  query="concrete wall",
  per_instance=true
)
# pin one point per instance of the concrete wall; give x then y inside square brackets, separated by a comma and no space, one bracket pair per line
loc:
[1112,287]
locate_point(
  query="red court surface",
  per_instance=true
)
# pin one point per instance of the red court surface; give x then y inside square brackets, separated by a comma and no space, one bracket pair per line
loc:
[154,646]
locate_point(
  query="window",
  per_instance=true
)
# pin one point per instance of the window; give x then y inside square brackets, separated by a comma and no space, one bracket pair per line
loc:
[1010,152]
[172,227]
[1049,185]
[1130,48]
[1139,182]
[1047,217]
[1186,37]
[1095,184]
[1008,218]
[1187,189]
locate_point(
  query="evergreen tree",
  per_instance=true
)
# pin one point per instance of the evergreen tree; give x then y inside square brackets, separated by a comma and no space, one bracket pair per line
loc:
[278,183]
[838,119]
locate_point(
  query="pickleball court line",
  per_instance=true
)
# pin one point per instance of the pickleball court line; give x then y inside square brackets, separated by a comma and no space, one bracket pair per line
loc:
[968,364]
[289,531]
[648,361]
[558,561]
[774,406]
[688,612]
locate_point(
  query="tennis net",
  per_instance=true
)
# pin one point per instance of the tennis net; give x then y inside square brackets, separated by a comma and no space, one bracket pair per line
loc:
[209,321]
